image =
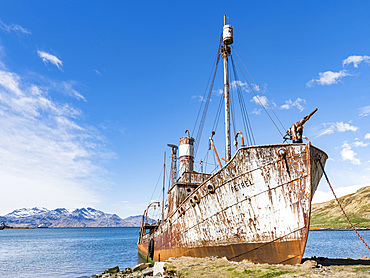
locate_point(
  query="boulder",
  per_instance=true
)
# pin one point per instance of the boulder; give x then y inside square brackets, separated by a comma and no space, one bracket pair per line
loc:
[113,270]
[147,271]
[127,270]
[158,268]
[139,267]
[136,275]
[149,264]
[310,264]
[170,273]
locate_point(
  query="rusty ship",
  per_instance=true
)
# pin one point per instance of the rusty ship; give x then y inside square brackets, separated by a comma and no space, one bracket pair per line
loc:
[255,207]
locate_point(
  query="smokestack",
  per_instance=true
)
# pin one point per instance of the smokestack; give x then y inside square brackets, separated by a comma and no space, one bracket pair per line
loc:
[186,154]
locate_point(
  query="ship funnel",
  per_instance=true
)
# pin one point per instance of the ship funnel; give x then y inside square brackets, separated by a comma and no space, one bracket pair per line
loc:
[186,154]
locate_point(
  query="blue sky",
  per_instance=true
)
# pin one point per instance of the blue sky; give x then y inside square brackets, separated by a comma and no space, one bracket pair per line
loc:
[91,92]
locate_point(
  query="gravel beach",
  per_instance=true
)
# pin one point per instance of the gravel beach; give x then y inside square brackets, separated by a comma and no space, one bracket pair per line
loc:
[221,267]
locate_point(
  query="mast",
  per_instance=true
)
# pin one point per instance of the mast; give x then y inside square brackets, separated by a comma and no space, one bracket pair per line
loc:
[164,181]
[227,35]
[173,175]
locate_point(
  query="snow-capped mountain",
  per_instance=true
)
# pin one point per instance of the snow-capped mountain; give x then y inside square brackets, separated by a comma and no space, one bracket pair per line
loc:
[61,217]
[25,212]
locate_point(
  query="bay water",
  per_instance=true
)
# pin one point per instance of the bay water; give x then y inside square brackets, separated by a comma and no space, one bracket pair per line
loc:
[81,252]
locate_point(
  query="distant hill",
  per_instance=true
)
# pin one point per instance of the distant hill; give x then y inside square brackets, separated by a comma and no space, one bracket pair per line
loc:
[61,217]
[356,205]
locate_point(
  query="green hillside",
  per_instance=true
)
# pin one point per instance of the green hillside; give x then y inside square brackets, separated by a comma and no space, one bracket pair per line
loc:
[329,214]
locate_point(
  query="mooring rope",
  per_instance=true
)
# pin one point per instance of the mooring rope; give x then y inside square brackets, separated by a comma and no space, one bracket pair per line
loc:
[349,221]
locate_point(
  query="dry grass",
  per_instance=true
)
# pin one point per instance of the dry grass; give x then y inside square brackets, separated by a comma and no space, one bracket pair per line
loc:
[221,267]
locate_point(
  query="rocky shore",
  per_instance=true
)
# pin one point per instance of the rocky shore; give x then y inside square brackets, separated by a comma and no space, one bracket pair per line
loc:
[221,267]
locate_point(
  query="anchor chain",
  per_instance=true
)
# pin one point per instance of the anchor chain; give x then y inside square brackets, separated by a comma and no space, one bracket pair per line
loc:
[349,221]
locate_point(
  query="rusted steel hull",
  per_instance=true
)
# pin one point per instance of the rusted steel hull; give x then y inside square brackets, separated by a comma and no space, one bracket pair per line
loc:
[257,207]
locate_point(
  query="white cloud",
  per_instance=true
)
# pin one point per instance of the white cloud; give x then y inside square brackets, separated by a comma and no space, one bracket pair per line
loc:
[49,58]
[364,111]
[343,127]
[68,87]
[328,78]
[356,60]
[257,88]
[62,87]
[219,92]
[348,154]
[10,82]
[13,28]
[367,136]
[321,196]
[360,144]
[329,128]
[256,111]
[298,103]
[198,98]
[261,100]
[243,85]
[48,157]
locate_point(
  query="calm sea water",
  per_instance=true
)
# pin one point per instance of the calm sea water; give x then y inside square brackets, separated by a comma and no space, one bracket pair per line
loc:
[66,252]
[80,252]
[337,244]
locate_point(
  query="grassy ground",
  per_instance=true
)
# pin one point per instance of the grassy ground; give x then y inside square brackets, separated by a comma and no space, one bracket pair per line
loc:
[356,205]
[221,267]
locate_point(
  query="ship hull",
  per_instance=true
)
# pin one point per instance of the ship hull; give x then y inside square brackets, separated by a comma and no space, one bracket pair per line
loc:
[257,207]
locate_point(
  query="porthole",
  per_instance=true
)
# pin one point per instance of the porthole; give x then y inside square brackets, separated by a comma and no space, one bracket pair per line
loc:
[182,211]
[211,188]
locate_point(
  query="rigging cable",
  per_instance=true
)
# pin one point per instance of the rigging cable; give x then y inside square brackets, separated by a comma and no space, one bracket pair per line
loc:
[204,96]
[243,108]
[260,102]
[201,124]
[349,221]
[160,175]
[218,114]
[232,113]
[260,90]
[231,102]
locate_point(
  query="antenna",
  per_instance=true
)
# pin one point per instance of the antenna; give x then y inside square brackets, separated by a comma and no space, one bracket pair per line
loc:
[173,176]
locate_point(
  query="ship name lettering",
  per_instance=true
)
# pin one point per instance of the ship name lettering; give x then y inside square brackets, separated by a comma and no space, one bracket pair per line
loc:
[241,185]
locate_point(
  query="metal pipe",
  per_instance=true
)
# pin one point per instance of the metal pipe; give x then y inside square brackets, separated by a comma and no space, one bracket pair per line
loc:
[164,182]
[225,51]
[227,104]
[236,141]
[214,148]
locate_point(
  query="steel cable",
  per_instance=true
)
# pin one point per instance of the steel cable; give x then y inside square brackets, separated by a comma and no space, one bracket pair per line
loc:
[335,196]
[261,94]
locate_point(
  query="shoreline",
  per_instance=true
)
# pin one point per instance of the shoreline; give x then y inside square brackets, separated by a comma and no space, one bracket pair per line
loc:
[339,229]
[221,267]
